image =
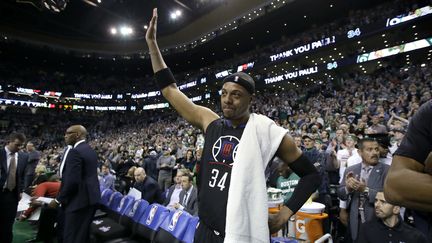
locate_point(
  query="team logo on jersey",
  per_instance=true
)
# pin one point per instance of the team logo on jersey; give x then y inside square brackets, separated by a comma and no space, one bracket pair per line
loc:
[225,149]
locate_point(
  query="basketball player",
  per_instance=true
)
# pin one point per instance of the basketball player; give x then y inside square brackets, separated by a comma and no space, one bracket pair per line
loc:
[222,136]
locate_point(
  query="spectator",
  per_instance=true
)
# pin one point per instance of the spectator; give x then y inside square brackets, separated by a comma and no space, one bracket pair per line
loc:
[188,196]
[106,179]
[360,185]
[388,225]
[149,188]
[165,164]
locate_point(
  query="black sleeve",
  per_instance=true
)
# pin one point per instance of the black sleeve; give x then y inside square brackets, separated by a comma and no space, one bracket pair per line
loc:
[417,143]
[308,183]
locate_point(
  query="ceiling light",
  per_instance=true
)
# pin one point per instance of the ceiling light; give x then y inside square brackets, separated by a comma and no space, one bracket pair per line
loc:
[145,27]
[113,31]
[173,15]
[178,13]
[423,65]
[125,30]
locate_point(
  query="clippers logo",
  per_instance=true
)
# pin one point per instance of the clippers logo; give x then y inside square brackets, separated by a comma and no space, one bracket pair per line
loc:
[151,215]
[225,149]
[174,220]
[134,208]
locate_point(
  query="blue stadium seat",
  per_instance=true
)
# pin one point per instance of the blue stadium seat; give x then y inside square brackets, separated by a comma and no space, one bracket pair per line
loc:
[282,240]
[109,228]
[188,237]
[173,227]
[129,220]
[114,201]
[105,196]
[150,222]
[133,214]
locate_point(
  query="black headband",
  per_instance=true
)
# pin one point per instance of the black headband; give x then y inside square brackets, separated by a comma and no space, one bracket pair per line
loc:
[237,78]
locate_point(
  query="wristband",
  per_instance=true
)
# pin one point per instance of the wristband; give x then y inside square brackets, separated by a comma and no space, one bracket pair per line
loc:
[164,78]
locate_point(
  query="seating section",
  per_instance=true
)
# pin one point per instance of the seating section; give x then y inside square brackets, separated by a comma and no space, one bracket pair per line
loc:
[188,237]
[282,240]
[150,222]
[173,227]
[131,221]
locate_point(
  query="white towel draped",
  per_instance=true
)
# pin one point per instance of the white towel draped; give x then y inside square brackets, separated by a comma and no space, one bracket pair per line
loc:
[247,210]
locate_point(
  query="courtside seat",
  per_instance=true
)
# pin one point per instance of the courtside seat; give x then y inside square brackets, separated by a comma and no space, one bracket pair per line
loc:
[150,222]
[111,228]
[282,240]
[189,234]
[173,227]
[109,201]
[148,225]
[105,196]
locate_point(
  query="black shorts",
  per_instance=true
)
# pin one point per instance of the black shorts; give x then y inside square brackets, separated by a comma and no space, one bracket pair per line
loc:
[204,234]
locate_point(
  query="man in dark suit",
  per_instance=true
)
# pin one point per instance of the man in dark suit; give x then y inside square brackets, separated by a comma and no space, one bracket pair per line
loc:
[149,188]
[12,171]
[33,160]
[79,192]
[188,196]
[361,183]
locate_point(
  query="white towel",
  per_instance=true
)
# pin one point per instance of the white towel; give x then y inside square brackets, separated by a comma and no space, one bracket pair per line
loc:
[247,210]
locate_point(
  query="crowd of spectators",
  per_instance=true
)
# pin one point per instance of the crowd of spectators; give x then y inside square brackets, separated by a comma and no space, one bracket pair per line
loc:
[325,120]
[158,149]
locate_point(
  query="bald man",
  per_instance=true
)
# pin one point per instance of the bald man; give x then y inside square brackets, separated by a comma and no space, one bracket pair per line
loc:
[79,192]
[149,188]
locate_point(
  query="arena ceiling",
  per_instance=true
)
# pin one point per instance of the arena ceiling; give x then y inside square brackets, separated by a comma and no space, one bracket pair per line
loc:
[85,25]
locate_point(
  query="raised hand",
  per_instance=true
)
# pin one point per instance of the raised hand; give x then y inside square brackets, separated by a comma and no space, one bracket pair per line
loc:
[152,27]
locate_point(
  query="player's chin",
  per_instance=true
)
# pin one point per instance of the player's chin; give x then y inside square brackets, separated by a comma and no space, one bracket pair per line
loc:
[228,114]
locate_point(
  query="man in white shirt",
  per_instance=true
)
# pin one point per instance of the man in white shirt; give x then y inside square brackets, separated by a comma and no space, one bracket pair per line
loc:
[173,195]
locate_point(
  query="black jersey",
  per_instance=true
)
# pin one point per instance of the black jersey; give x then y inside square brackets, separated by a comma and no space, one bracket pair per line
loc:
[417,143]
[220,147]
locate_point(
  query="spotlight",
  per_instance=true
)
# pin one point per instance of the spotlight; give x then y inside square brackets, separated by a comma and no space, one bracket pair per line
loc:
[174,15]
[125,30]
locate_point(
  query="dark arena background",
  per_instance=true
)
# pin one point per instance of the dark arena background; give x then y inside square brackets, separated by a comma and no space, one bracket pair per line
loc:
[337,75]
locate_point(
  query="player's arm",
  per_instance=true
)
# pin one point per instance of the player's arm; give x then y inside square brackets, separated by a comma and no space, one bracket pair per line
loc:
[407,185]
[308,183]
[196,115]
